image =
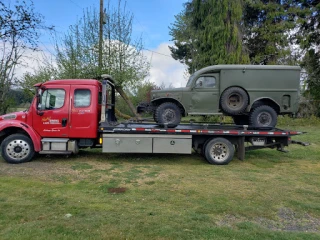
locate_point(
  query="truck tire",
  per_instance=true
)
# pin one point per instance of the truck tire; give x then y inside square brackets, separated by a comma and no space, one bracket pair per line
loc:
[234,100]
[168,113]
[263,116]
[219,151]
[17,148]
[241,119]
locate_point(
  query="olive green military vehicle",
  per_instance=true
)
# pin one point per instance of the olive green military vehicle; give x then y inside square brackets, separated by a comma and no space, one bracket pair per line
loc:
[252,94]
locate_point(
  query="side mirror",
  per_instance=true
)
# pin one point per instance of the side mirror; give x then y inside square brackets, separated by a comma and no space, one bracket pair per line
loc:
[38,103]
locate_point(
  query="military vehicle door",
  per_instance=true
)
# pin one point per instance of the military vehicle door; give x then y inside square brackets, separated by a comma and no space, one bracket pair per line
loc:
[205,95]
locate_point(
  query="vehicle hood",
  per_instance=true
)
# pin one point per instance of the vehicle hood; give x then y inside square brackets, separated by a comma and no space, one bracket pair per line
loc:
[19,116]
[168,93]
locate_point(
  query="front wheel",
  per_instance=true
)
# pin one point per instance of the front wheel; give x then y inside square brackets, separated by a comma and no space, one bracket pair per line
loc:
[168,113]
[17,148]
[219,151]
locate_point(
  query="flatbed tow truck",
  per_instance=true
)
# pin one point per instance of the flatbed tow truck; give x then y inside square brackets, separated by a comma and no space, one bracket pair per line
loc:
[66,115]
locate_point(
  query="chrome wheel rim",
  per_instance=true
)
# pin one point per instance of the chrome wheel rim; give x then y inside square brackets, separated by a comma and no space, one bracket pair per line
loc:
[18,149]
[219,152]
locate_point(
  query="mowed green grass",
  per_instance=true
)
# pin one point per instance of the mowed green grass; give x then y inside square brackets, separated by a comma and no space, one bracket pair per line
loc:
[270,195]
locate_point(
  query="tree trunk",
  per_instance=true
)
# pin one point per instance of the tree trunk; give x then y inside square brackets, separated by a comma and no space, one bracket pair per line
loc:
[128,101]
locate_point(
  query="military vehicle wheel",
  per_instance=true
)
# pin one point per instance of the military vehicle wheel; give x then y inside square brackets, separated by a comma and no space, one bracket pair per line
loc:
[168,113]
[17,148]
[263,116]
[234,100]
[241,119]
[219,151]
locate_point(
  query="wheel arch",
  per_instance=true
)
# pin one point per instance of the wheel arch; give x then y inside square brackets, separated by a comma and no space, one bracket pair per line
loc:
[265,101]
[25,130]
[159,101]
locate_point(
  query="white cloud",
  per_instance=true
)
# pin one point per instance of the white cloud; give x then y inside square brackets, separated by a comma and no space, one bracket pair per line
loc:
[31,60]
[164,69]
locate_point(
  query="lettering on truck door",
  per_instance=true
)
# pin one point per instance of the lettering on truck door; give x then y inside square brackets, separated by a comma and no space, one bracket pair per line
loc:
[52,115]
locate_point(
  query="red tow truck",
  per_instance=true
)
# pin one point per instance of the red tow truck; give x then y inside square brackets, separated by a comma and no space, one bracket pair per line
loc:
[66,115]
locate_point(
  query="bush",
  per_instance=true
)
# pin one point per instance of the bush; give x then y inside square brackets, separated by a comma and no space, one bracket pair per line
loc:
[307,121]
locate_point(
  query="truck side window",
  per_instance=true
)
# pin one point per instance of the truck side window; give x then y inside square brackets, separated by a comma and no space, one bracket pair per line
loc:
[82,98]
[52,99]
[206,82]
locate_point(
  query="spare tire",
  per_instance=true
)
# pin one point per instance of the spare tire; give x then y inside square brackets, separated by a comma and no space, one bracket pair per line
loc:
[263,116]
[234,100]
[168,113]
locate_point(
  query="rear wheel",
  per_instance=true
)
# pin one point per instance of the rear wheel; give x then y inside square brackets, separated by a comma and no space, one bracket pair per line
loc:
[263,116]
[168,113]
[219,151]
[17,148]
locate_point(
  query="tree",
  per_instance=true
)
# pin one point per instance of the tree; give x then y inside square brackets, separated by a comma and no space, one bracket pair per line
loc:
[19,26]
[268,31]
[208,33]
[309,38]
[122,57]
[42,74]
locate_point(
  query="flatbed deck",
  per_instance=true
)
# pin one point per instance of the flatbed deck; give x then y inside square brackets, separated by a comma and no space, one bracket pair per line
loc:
[195,129]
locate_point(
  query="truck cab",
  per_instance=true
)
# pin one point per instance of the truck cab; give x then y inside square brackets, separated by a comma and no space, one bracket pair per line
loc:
[63,116]
[66,108]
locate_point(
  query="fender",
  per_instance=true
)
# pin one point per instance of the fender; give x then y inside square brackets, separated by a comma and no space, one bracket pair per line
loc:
[261,98]
[169,99]
[35,137]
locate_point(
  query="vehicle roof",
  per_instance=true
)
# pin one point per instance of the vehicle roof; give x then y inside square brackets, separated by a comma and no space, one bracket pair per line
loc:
[70,82]
[216,68]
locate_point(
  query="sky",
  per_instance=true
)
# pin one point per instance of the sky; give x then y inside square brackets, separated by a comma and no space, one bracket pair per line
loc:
[152,19]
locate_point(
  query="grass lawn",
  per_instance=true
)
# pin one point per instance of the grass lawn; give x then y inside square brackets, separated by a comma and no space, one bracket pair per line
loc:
[270,195]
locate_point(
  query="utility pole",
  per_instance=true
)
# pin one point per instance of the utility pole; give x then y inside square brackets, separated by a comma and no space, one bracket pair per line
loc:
[101,35]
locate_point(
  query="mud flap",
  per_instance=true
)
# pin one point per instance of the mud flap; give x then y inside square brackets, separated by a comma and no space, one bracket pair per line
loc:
[241,148]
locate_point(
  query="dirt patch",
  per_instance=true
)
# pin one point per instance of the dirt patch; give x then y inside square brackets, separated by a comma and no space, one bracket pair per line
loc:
[117,190]
[287,220]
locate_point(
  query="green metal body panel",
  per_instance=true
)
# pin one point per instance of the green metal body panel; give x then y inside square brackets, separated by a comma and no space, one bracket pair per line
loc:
[279,84]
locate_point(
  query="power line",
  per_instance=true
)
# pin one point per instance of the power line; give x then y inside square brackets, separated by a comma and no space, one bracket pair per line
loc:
[157,53]
[76,4]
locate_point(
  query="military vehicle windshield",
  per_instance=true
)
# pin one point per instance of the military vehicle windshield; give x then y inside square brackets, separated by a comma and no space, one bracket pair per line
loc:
[190,80]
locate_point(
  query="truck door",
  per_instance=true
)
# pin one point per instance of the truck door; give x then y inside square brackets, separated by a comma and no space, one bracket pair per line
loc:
[205,95]
[52,115]
[84,111]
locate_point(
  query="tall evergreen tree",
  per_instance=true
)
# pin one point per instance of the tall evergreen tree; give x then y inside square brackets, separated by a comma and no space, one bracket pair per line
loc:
[309,38]
[268,30]
[209,32]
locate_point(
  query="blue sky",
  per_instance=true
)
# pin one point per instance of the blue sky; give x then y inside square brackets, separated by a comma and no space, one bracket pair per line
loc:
[151,17]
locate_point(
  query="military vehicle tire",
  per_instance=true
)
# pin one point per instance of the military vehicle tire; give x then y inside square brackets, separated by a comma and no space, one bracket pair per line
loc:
[234,100]
[17,148]
[168,113]
[219,151]
[241,119]
[263,116]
